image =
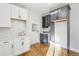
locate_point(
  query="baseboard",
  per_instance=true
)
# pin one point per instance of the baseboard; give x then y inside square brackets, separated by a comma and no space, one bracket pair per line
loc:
[75,50]
[73,53]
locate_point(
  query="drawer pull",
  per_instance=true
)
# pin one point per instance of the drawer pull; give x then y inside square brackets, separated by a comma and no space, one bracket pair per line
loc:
[5,42]
[22,39]
[22,43]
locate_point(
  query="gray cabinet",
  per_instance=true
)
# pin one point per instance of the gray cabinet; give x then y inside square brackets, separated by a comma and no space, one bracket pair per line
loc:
[60,13]
[45,21]
[60,28]
[63,12]
[43,38]
[54,15]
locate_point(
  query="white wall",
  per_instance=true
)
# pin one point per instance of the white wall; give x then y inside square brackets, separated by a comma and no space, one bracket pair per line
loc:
[74,27]
[34,18]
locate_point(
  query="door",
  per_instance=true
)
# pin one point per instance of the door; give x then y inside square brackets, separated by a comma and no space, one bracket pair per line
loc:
[35,33]
[61,34]
[6,48]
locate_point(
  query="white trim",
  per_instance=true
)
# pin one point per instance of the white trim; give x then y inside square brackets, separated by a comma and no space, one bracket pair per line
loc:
[74,49]
[57,44]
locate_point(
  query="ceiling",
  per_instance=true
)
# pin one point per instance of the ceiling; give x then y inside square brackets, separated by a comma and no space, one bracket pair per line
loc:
[39,7]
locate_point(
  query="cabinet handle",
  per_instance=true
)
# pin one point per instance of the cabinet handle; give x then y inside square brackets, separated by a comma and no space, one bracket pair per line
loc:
[5,42]
[12,45]
[22,39]
[22,43]
[19,16]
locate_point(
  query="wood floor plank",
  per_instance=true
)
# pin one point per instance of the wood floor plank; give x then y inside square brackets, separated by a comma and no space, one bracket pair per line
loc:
[48,50]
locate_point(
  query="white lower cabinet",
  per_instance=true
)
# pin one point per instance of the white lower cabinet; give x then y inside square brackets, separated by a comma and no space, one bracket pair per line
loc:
[17,47]
[25,44]
[14,47]
[21,45]
[6,48]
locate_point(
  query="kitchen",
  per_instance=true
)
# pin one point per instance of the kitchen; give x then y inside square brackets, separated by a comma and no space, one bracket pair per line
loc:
[22,26]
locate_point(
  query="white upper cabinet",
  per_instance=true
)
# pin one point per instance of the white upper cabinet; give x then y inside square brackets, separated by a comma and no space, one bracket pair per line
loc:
[5,15]
[15,12]
[23,14]
[18,12]
[8,11]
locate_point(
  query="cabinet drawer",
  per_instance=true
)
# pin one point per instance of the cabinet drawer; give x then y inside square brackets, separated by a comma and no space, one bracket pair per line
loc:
[4,42]
[6,48]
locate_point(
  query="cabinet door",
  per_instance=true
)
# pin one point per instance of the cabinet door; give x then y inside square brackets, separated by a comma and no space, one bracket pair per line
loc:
[25,45]
[54,15]
[46,21]
[23,14]
[43,22]
[5,15]
[6,48]
[63,12]
[15,11]
[21,45]
[17,47]
[23,49]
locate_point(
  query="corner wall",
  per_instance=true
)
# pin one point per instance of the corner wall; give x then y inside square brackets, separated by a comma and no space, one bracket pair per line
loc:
[34,18]
[74,27]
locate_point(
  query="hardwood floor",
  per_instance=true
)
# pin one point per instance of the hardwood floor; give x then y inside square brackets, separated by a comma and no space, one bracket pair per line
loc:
[44,50]
[37,50]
